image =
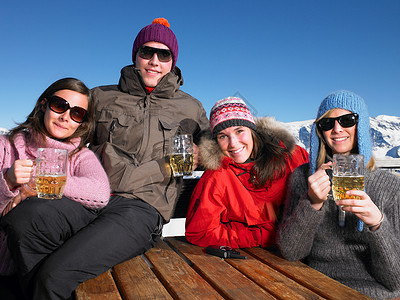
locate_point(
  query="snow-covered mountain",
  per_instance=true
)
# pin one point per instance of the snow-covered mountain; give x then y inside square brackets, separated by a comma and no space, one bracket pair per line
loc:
[385,132]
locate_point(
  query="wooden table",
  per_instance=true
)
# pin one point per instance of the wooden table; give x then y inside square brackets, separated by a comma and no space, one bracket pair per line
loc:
[175,269]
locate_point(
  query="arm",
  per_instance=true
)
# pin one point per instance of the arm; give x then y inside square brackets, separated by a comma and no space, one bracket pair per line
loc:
[88,183]
[384,242]
[208,206]
[300,221]
[6,194]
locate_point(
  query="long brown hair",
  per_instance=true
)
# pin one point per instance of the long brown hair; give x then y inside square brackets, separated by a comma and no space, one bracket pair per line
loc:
[270,157]
[35,120]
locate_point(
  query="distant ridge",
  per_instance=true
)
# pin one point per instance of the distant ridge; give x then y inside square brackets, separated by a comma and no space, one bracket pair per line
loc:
[385,131]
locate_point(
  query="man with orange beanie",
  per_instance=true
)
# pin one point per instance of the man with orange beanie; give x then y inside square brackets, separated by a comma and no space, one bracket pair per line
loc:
[134,120]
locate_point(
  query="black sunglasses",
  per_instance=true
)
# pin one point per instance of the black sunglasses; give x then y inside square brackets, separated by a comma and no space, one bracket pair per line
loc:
[60,105]
[345,121]
[146,52]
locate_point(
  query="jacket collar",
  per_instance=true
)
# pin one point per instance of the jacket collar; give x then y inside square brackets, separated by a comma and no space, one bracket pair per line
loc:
[131,82]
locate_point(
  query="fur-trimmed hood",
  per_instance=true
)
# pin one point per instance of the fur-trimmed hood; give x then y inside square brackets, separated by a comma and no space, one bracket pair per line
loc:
[211,155]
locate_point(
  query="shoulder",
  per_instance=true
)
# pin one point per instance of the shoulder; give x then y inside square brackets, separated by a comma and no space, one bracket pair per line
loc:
[3,140]
[100,92]
[213,179]
[277,130]
[185,97]
[299,156]
[105,88]
[85,154]
[301,172]
[211,155]
[4,145]
[379,179]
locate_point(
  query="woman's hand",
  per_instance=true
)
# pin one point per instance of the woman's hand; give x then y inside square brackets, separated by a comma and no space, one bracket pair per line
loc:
[20,172]
[25,191]
[364,208]
[319,186]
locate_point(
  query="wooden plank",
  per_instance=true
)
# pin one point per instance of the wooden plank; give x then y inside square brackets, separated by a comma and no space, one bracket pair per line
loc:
[101,287]
[177,276]
[226,279]
[308,277]
[136,281]
[272,280]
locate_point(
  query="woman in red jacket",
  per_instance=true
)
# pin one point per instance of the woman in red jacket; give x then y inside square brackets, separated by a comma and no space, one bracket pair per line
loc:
[238,200]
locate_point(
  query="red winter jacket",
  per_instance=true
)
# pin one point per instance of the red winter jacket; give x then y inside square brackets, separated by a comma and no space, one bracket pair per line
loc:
[226,209]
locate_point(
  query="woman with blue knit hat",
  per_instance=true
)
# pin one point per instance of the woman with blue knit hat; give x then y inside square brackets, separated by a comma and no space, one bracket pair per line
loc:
[367,260]
[237,201]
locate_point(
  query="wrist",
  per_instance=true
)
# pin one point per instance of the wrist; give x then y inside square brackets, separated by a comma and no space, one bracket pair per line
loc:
[376,225]
[8,182]
[317,205]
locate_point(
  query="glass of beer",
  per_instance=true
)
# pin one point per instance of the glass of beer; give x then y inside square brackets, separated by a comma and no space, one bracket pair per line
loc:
[51,172]
[348,174]
[181,156]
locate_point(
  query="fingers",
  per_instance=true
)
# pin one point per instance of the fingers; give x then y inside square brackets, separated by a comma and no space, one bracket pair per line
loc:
[326,166]
[319,184]
[364,208]
[20,172]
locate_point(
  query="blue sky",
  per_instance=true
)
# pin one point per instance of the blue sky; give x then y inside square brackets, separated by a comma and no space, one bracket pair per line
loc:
[283,57]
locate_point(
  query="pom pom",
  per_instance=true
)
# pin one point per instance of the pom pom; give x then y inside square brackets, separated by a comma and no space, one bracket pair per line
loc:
[161,21]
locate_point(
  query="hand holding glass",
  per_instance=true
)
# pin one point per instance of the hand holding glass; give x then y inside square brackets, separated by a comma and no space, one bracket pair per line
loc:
[348,174]
[51,172]
[181,156]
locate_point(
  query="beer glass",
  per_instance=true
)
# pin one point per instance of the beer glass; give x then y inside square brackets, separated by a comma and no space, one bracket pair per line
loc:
[181,156]
[51,172]
[348,174]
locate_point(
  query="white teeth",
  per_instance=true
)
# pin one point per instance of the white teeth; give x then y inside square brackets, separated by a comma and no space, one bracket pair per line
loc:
[153,72]
[340,139]
[236,151]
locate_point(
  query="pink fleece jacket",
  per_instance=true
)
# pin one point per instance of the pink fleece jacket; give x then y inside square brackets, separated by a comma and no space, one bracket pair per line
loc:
[87,182]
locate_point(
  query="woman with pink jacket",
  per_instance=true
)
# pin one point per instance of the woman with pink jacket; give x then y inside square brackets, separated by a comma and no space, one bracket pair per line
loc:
[62,118]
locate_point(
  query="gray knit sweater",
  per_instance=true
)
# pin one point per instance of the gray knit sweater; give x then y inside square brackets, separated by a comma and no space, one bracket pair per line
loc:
[366,261]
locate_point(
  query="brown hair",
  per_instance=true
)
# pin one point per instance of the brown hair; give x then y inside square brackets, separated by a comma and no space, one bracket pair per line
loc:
[270,157]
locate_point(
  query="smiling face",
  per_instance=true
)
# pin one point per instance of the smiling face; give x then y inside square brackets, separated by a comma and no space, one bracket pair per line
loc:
[236,142]
[153,69]
[61,126]
[340,139]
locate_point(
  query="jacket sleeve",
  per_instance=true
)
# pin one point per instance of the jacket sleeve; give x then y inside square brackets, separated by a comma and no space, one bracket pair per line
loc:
[300,220]
[203,224]
[385,241]
[88,183]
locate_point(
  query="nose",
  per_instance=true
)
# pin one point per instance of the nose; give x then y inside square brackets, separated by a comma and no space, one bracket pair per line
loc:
[65,115]
[232,141]
[154,59]
[337,127]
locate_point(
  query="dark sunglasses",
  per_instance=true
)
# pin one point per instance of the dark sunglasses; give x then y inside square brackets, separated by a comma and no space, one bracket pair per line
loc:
[146,52]
[345,121]
[60,105]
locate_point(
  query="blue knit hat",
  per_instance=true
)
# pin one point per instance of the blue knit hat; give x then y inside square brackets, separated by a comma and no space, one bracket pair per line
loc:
[351,102]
